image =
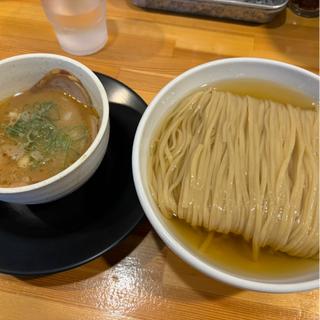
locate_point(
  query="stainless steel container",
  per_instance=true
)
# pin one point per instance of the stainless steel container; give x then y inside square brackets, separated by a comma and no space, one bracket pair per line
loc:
[260,11]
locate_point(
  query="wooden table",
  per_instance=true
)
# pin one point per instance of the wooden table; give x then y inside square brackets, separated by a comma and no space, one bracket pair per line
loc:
[141,278]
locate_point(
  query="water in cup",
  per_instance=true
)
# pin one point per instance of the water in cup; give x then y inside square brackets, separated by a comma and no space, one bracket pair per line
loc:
[80,25]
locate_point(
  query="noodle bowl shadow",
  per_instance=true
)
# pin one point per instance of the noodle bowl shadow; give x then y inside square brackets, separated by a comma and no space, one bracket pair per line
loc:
[228,69]
[18,74]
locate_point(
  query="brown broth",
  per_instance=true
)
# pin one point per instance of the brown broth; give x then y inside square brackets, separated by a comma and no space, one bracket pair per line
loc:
[233,253]
[30,158]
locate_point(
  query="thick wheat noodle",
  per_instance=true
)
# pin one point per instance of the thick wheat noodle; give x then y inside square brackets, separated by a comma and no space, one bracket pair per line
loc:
[241,165]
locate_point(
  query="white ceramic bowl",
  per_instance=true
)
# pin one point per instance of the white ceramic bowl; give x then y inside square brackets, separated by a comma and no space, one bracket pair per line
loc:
[247,68]
[19,73]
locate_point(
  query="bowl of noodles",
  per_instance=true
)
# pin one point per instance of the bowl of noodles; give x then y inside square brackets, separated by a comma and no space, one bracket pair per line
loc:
[54,127]
[226,166]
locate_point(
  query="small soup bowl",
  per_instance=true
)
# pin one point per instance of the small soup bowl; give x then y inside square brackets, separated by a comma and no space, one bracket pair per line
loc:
[18,74]
[283,74]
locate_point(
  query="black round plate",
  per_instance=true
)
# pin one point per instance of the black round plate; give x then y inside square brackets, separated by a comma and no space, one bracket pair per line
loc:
[52,237]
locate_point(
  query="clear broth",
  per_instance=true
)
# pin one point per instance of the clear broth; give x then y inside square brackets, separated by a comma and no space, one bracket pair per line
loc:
[233,253]
[267,90]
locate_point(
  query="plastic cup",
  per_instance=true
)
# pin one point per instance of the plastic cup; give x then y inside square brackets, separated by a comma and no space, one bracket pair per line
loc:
[80,25]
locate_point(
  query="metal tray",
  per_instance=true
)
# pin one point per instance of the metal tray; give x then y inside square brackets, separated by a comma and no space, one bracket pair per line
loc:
[260,11]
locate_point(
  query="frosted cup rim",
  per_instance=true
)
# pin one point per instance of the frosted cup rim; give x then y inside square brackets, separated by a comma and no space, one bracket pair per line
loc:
[73,38]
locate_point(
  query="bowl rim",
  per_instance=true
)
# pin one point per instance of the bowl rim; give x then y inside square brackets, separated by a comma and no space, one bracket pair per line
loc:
[156,222]
[103,124]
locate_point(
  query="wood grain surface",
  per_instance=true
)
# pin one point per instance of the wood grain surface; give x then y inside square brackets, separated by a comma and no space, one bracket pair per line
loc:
[141,278]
